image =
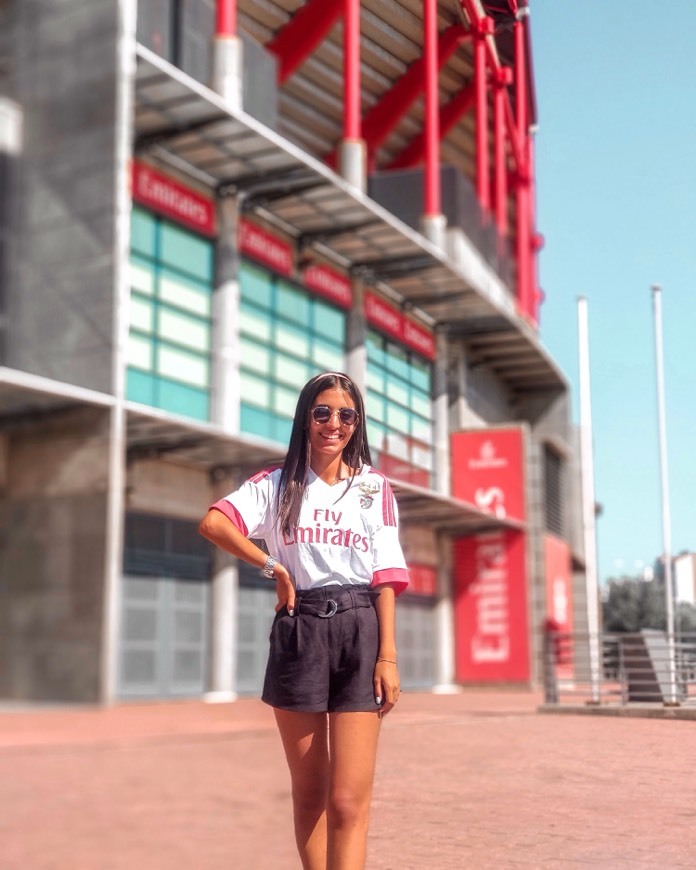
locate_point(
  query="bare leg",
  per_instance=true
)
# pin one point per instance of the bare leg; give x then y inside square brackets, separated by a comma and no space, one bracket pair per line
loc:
[353,750]
[305,741]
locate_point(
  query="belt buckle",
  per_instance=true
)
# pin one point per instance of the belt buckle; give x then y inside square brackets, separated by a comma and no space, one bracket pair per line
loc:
[333,605]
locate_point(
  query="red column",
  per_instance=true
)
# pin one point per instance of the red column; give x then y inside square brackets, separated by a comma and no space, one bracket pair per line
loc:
[226,18]
[432,194]
[351,70]
[485,27]
[503,78]
[524,260]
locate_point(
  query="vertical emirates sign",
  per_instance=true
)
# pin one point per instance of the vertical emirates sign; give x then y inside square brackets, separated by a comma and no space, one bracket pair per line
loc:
[491,623]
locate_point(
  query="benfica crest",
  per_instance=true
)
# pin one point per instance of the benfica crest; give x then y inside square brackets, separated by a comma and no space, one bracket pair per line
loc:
[367,494]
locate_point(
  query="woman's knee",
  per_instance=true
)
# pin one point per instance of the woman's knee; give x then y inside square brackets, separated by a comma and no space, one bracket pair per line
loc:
[347,807]
[309,798]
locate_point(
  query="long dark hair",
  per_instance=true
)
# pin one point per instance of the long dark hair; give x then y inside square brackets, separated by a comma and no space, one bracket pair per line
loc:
[293,478]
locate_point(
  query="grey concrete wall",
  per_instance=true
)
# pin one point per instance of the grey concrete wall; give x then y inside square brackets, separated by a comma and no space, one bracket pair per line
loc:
[60,67]
[52,553]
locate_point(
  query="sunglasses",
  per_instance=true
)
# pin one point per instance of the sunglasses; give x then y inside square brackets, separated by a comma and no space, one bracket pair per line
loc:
[322,414]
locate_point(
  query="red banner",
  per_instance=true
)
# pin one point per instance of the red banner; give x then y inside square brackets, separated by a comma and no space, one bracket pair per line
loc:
[390,320]
[329,283]
[265,247]
[559,598]
[172,199]
[488,470]
[490,608]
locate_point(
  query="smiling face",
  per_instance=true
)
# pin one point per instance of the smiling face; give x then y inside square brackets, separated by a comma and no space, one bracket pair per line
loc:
[330,438]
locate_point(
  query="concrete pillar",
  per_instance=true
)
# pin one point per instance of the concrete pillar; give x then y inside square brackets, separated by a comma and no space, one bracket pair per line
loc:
[223,642]
[441,427]
[356,333]
[444,620]
[227,78]
[352,162]
[225,358]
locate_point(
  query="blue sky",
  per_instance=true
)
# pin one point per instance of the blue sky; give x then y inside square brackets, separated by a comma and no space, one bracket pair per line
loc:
[616,204]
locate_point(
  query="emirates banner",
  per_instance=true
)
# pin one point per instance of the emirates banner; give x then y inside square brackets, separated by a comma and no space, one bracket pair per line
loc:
[491,620]
[488,470]
[490,608]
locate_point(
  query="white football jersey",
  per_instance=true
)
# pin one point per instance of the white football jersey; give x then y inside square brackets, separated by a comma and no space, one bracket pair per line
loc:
[346,533]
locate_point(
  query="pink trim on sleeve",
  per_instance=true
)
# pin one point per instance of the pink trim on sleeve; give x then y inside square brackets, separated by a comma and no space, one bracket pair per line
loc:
[397,577]
[388,512]
[232,514]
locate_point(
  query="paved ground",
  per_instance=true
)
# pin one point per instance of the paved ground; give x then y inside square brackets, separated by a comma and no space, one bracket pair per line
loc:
[475,780]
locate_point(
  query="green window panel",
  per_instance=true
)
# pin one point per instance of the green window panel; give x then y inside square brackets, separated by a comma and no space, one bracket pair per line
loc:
[169,345]
[186,252]
[287,335]
[399,406]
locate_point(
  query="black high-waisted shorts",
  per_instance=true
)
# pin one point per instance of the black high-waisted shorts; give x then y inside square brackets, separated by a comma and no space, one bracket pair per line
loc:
[322,659]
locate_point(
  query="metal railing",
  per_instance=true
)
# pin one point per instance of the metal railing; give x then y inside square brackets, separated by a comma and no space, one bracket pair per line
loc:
[646,667]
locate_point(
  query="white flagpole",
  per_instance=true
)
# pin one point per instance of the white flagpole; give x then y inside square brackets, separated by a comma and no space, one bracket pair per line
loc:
[588,500]
[666,524]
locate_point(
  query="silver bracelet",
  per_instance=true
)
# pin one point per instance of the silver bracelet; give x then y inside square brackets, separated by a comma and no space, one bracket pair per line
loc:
[267,569]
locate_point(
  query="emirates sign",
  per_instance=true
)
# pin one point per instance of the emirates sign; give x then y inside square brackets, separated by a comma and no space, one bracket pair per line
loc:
[491,624]
[391,321]
[172,199]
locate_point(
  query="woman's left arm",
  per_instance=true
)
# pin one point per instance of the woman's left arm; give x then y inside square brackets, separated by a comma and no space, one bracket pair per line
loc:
[386,675]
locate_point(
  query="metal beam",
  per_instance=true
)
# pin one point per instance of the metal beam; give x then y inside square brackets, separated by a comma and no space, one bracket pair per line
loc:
[307,29]
[383,117]
[450,115]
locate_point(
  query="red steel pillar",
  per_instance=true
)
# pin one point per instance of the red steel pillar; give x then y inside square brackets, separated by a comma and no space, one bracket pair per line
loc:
[352,165]
[227,54]
[524,259]
[226,18]
[433,222]
[483,30]
[503,77]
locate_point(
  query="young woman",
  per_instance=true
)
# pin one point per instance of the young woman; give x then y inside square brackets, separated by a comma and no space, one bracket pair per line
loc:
[330,523]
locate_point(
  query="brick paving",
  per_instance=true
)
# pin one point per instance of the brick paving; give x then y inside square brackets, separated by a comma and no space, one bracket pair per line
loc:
[474,780]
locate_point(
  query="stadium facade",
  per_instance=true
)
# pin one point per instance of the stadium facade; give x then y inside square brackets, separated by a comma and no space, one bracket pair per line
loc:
[204,203]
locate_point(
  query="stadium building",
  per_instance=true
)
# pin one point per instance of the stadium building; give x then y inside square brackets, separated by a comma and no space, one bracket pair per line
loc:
[201,205]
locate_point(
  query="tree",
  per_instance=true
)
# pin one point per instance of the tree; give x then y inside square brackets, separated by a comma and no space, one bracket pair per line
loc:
[631,603]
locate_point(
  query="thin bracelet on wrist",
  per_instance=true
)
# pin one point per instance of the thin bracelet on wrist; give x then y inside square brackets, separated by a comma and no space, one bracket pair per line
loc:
[391,661]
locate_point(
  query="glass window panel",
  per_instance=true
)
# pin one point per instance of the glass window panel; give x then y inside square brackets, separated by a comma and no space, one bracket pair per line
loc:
[420,374]
[285,401]
[143,230]
[421,429]
[140,387]
[255,421]
[184,294]
[375,379]
[255,356]
[420,404]
[375,348]
[185,330]
[397,446]
[376,435]
[396,390]
[422,458]
[186,252]
[188,666]
[329,322]
[397,418]
[290,371]
[254,322]
[139,352]
[141,314]
[182,366]
[397,360]
[256,285]
[188,627]
[374,405]
[328,357]
[292,339]
[292,303]
[141,276]
[184,400]
[255,390]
